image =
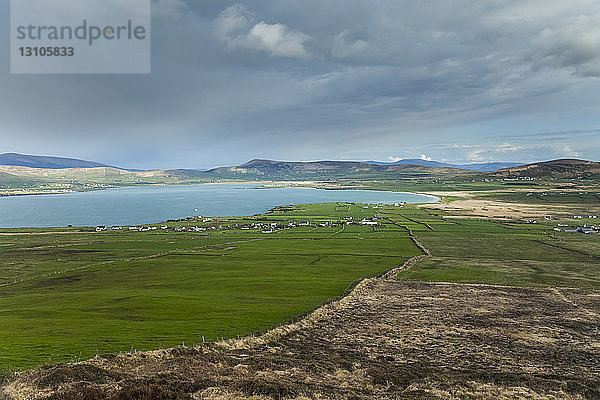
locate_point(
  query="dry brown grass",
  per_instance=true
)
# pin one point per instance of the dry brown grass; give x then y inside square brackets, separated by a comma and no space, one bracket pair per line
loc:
[386,340]
[471,207]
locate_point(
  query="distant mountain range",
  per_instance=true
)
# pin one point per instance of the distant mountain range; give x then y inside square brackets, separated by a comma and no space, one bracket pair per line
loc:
[563,168]
[22,160]
[312,170]
[482,167]
[17,171]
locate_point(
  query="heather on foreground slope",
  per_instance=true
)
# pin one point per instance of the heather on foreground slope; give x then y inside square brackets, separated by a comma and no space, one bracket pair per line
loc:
[386,340]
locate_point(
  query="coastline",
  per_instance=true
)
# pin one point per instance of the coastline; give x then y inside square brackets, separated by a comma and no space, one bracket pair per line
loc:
[41,192]
[178,201]
[322,185]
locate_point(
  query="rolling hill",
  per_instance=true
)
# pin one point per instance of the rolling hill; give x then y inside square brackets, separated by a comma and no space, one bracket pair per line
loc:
[480,167]
[324,170]
[24,160]
[564,168]
[13,181]
[60,171]
[12,177]
[96,176]
[49,162]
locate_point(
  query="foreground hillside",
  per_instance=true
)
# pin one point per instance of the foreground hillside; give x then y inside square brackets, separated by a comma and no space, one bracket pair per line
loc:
[387,340]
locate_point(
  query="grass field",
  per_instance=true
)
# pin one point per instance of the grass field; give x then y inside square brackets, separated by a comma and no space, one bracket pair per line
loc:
[505,253]
[66,294]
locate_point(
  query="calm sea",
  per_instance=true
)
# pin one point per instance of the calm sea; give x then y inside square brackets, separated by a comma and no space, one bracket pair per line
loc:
[154,204]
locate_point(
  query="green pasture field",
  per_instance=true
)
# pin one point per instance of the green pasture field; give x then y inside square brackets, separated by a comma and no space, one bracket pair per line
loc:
[505,253]
[66,294]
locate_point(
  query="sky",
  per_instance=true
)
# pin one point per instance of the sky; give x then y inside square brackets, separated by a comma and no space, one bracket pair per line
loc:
[460,81]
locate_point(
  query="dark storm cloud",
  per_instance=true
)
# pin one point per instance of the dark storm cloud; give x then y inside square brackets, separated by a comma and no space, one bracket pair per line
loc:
[335,79]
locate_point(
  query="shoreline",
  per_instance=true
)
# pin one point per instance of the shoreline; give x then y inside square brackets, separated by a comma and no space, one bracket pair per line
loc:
[422,198]
[321,185]
[40,192]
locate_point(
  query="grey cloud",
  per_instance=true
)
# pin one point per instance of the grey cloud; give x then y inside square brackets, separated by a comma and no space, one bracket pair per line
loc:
[490,152]
[345,46]
[575,46]
[324,79]
[170,10]
[236,28]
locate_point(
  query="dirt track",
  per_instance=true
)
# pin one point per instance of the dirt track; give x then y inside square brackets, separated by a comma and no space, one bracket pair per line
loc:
[386,340]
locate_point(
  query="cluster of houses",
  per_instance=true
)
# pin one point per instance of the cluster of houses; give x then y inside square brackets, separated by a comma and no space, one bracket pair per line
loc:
[264,227]
[102,228]
[273,226]
[402,204]
[587,229]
